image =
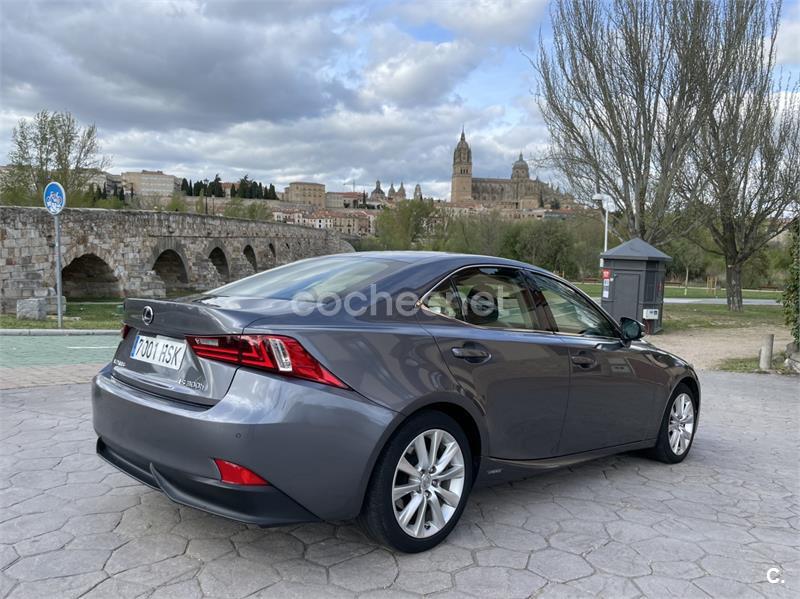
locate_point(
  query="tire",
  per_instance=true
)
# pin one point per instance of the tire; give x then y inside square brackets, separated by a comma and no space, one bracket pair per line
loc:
[418,496]
[666,450]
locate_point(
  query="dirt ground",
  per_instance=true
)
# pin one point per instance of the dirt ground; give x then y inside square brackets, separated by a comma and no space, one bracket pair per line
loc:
[706,348]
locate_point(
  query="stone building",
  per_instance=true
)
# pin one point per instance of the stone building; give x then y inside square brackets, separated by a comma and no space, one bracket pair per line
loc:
[377,195]
[305,193]
[520,192]
[344,199]
[417,192]
[152,184]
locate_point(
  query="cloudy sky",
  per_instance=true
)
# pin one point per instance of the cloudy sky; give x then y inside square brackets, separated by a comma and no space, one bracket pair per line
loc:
[317,90]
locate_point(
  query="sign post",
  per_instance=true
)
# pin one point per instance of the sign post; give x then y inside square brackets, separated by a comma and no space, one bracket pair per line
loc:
[608,205]
[55,198]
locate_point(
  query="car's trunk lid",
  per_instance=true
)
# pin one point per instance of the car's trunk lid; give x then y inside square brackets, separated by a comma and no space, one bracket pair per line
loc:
[158,328]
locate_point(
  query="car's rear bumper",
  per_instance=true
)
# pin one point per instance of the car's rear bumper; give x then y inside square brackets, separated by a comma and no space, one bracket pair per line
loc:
[263,505]
[315,445]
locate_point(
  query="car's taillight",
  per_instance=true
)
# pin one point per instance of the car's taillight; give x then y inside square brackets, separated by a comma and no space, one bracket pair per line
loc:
[275,353]
[124,331]
[234,474]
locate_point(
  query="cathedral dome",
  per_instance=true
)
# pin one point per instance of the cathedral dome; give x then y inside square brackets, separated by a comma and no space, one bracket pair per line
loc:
[520,169]
[462,153]
[377,193]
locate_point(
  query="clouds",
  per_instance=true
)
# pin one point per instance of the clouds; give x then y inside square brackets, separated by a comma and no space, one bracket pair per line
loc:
[318,90]
[787,47]
[168,65]
[491,22]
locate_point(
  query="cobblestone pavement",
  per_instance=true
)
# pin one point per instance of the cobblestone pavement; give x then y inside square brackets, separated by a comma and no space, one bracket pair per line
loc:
[72,526]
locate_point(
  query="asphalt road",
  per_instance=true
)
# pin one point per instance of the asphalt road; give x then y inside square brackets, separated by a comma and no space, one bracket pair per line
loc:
[723,524]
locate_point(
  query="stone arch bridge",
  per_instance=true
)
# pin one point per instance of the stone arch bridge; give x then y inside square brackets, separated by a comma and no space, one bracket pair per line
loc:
[115,253]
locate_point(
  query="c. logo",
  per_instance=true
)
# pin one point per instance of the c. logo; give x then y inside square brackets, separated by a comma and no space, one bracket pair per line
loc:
[147,315]
[774,576]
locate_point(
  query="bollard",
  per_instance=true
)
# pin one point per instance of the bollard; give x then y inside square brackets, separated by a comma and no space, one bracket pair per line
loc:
[765,356]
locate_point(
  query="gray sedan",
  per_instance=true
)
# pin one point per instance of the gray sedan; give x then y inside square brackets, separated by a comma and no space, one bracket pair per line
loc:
[380,386]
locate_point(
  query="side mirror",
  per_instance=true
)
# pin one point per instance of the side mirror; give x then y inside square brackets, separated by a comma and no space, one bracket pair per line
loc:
[631,329]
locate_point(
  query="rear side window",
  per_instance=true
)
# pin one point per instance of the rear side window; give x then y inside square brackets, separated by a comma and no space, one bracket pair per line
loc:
[314,279]
[571,311]
[486,296]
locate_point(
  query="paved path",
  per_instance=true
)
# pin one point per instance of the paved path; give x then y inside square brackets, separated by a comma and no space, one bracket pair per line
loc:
[718,301]
[72,526]
[32,361]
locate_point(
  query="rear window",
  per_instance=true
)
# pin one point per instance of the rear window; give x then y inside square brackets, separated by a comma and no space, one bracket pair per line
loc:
[314,279]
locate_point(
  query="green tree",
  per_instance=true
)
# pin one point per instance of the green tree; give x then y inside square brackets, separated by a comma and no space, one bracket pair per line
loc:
[234,208]
[190,188]
[51,147]
[215,187]
[177,203]
[546,243]
[244,187]
[258,211]
[482,234]
[185,187]
[791,295]
[406,226]
[746,154]
[619,94]
[689,260]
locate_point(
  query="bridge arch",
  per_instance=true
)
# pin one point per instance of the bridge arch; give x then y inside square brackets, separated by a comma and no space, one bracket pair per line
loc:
[220,261]
[90,276]
[250,255]
[168,260]
[170,267]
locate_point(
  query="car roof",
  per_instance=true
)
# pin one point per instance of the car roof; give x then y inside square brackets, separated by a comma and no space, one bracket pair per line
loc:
[451,259]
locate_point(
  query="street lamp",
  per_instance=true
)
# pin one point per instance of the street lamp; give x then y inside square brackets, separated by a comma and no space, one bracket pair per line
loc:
[608,206]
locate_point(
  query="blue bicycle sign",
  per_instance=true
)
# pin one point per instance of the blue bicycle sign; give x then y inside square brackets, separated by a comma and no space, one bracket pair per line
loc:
[55,198]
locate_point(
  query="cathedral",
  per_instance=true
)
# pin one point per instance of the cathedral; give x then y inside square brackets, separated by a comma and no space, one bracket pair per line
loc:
[378,196]
[518,192]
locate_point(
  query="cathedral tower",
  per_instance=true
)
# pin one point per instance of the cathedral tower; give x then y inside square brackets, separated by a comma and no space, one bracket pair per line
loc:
[461,184]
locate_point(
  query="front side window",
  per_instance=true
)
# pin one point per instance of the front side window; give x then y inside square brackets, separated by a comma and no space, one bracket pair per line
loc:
[443,300]
[486,296]
[571,311]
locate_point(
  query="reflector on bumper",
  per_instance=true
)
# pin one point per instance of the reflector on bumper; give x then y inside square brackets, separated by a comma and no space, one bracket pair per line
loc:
[235,474]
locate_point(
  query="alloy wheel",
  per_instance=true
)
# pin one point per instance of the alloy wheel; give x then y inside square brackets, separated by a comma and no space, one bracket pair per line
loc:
[681,424]
[428,483]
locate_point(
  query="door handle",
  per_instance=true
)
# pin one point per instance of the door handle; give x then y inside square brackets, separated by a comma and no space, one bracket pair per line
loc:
[471,353]
[583,360]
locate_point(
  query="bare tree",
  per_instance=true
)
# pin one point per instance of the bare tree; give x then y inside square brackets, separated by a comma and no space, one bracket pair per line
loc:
[52,146]
[747,155]
[618,91]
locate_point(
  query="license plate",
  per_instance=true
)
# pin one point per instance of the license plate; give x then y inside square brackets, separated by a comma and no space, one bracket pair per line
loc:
[161,351]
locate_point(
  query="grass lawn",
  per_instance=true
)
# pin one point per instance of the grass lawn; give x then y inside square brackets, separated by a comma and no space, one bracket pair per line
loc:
[751,364]
[677,317]
[594,290]
[682,317]
[79,315]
